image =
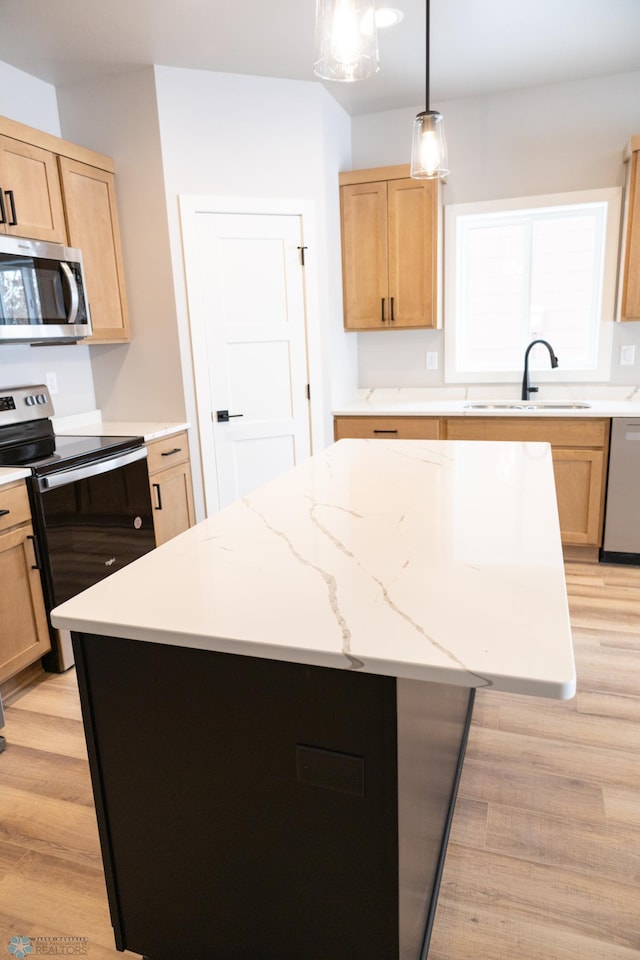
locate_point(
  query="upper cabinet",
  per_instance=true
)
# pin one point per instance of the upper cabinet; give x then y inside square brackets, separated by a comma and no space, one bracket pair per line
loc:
[54,190]
[389,249]
[30,196]
[92,225]
[630,301]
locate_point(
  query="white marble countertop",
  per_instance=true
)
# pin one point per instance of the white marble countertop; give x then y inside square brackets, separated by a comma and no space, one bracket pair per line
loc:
[433,560]
[9,474]
[487,402]
[92,424]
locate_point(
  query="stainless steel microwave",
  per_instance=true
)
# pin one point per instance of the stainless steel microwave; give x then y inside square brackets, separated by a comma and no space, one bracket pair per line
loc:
[42,293]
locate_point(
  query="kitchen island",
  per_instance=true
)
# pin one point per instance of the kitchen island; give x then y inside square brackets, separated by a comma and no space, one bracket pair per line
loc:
[276,702]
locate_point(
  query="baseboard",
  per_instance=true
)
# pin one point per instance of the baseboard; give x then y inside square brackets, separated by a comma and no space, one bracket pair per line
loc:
[16,685]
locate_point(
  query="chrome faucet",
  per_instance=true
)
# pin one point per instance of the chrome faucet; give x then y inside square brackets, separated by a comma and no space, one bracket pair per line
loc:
[527,390]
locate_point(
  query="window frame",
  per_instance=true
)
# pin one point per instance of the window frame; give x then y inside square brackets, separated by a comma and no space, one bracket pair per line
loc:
[612,196]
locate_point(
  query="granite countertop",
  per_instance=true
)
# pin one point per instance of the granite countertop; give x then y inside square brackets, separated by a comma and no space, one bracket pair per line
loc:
[487,402]
[10,474]
[431,560]
[92,424]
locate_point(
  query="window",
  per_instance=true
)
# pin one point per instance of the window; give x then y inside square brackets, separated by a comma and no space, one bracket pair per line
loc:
[536,267]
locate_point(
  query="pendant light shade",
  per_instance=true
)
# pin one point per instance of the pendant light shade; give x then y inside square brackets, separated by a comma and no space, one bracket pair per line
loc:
[429,148]
[346,40]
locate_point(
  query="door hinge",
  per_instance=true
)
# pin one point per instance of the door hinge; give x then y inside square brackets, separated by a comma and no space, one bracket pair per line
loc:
[302,250]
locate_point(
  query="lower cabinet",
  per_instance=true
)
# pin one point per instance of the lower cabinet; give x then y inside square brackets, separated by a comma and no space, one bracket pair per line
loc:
[171,486]
[24,632]
[579,446]
[390,428]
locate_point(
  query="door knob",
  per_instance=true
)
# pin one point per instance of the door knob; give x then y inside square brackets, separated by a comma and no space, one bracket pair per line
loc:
[222,416]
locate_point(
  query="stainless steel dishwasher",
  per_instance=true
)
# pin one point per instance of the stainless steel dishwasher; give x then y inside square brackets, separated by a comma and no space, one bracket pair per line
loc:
[622,512]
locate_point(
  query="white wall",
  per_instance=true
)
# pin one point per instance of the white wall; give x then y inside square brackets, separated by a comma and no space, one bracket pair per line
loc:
[550,139]
[240,136]
[118,116]
[27,100]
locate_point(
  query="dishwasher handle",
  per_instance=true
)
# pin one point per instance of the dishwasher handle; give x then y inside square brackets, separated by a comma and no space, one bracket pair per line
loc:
[65,477]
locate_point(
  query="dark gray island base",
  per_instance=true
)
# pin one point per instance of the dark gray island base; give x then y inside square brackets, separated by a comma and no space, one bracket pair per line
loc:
[255,809]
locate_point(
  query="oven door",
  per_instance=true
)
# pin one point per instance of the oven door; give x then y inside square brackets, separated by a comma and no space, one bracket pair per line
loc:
[93,520]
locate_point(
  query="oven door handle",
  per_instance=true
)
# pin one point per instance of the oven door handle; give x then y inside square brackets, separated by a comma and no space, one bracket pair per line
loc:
[65,477]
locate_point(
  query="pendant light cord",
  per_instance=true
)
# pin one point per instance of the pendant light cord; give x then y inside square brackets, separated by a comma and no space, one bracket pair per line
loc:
[426,48]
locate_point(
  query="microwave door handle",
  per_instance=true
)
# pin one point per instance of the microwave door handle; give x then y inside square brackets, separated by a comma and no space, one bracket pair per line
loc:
[65,477]
[73,291]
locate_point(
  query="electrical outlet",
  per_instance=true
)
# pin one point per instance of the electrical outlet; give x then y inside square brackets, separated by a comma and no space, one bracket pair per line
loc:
[52,383]
[432,360]
[628,355]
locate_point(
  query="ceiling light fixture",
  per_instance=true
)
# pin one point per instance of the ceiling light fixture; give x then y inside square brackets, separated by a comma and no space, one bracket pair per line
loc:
[429,150]
[346,40]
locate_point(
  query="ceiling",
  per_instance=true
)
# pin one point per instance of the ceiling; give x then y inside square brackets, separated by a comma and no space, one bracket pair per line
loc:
[477,46]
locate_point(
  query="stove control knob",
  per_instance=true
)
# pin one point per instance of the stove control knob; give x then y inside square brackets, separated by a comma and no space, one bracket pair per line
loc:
[30,400]
[41,398]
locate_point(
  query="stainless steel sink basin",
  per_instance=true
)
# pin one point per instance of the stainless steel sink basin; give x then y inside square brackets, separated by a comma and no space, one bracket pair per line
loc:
[525,406]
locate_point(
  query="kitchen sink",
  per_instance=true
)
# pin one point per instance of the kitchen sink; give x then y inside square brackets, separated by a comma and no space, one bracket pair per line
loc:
[524,405]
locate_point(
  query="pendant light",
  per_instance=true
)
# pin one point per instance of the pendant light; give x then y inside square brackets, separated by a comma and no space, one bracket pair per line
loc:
[429,150]
[346,40]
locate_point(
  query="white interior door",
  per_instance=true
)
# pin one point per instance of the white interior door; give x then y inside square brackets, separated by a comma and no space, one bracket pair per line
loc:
[253,309]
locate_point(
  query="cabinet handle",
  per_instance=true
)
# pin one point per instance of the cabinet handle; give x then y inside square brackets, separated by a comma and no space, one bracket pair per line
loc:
[385,431]
[170,453]
[14,220]
[392,318]
[36,552]
[3,212]
[382,310]
[156,487]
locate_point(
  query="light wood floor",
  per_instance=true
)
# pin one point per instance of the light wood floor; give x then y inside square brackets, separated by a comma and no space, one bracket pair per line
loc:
[544,857]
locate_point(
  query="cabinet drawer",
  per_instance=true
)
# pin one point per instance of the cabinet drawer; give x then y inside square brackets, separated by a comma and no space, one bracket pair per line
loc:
[574,432]
[15,499]
[167,452]
[387,428]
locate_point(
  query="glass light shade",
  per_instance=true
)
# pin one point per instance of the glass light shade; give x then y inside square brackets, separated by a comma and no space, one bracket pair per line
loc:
[346,40]
[429,151]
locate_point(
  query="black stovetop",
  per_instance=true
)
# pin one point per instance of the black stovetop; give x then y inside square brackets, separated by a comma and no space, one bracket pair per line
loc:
[43,452]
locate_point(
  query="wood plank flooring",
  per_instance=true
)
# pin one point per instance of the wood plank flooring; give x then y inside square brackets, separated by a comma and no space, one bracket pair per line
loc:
[544,856]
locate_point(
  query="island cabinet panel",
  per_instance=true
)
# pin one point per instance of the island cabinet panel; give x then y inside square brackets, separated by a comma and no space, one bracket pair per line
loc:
[252,808]
[24,632]
[92,221]
[630,304]
[579,448]
[389,249]
[386,428]
[31,194]
[171,486]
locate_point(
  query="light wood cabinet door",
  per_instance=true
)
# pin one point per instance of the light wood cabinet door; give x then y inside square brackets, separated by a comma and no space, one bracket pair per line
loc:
[386,428]
[579,447]
[92,225]
[365,270]
[630,304]
[171,486]
[24,631]
[31,194]
[413,221]
[172,499]
[389,252]
[579,477]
